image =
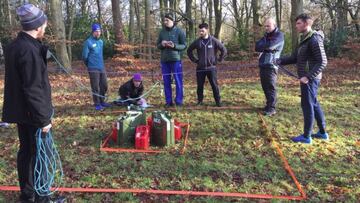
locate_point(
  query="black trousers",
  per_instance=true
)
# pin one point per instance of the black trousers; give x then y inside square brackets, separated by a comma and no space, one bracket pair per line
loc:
[268,77]
[211,74]
[99,86]
[26,162]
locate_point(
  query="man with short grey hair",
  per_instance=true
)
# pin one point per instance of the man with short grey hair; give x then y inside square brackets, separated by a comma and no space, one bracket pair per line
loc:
[270,47]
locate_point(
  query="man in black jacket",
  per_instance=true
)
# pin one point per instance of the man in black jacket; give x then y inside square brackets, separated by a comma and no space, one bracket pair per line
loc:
[310,60]
[270,47]
[207,48]
[132,90]
[27,94]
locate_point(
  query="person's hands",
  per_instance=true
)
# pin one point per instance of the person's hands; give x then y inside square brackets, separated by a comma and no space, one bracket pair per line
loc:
[164,43]
[304,80]
[171,44]
[276,61]
[47,128]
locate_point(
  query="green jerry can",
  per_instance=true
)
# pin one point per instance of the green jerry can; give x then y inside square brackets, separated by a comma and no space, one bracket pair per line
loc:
[162,129]
[126,126]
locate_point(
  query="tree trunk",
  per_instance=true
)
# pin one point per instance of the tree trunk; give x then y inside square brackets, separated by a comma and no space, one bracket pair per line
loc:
[71,26]
[190,30]
[99,10]
[218,17]
[296,9]
[342,14]
[147,28]
[83,6]
[210,7]
[119,38]
[7,13]
[278,13]
[256,18]
[131,22]
[59,32]
[161,4]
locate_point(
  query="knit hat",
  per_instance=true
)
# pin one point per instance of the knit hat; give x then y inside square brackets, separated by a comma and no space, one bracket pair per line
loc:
[137,77]
[169,16]
[31,17]
[95,27]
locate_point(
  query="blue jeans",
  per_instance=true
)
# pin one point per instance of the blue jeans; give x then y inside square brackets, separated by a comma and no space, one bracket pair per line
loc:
[311,107]
[168,69]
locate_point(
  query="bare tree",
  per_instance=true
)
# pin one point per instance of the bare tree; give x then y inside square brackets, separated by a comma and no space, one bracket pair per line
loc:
[99,10]
[59,32]
[190,30]
[255,4]
[297,7]
[70,19]
[218,17]
[118,28]
[278,12]
[131,21]
[83,6]
[147,28]
[210,7]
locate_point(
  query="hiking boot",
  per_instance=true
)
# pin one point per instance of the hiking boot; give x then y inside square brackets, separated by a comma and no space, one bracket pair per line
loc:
[269,112]
[98,107]
[105,105]
[200,103]
[218,104]
[169,105]
[302,139]
[318,135]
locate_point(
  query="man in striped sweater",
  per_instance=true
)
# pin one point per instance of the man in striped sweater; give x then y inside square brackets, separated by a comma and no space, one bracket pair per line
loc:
[310,60]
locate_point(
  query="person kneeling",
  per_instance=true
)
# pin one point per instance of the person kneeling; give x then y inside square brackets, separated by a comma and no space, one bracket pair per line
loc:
[131,91]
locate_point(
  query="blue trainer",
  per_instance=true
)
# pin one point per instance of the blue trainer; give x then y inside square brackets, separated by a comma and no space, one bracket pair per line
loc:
[323,136]
[98,107]
[106,105]
[302,139]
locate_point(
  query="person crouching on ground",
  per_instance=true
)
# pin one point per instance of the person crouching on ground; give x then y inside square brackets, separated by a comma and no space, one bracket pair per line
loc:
[131,91]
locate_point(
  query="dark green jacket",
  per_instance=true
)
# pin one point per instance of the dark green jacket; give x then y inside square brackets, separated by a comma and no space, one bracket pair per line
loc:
[177,36]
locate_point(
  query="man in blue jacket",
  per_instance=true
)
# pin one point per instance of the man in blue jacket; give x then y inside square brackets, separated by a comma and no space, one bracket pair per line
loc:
[92,56]
[270,47]
[310,59]
[172,42]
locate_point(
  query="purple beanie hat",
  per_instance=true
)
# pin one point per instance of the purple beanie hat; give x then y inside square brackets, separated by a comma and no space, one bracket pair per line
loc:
[137,77]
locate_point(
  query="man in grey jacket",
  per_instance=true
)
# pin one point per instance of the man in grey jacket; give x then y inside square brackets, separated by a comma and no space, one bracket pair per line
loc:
[270,47]
[207,48]
[310,60]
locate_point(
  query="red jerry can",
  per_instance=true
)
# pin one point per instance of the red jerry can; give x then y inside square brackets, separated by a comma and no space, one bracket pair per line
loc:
[142,137]
[114,133]
[177,130]
[149,123]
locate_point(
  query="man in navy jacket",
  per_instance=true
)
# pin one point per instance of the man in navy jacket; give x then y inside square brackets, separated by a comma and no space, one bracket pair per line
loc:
[270,47]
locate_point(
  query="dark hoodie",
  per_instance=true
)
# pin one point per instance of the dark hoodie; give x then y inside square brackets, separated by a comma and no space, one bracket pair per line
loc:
[309,56]
[206,52]
[128,90]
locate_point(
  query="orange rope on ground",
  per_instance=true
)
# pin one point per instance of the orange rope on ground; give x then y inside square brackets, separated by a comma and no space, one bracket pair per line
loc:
[283,159]
[190,193]
[164,192]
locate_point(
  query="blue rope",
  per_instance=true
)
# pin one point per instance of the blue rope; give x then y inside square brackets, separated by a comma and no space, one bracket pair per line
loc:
[47,165]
